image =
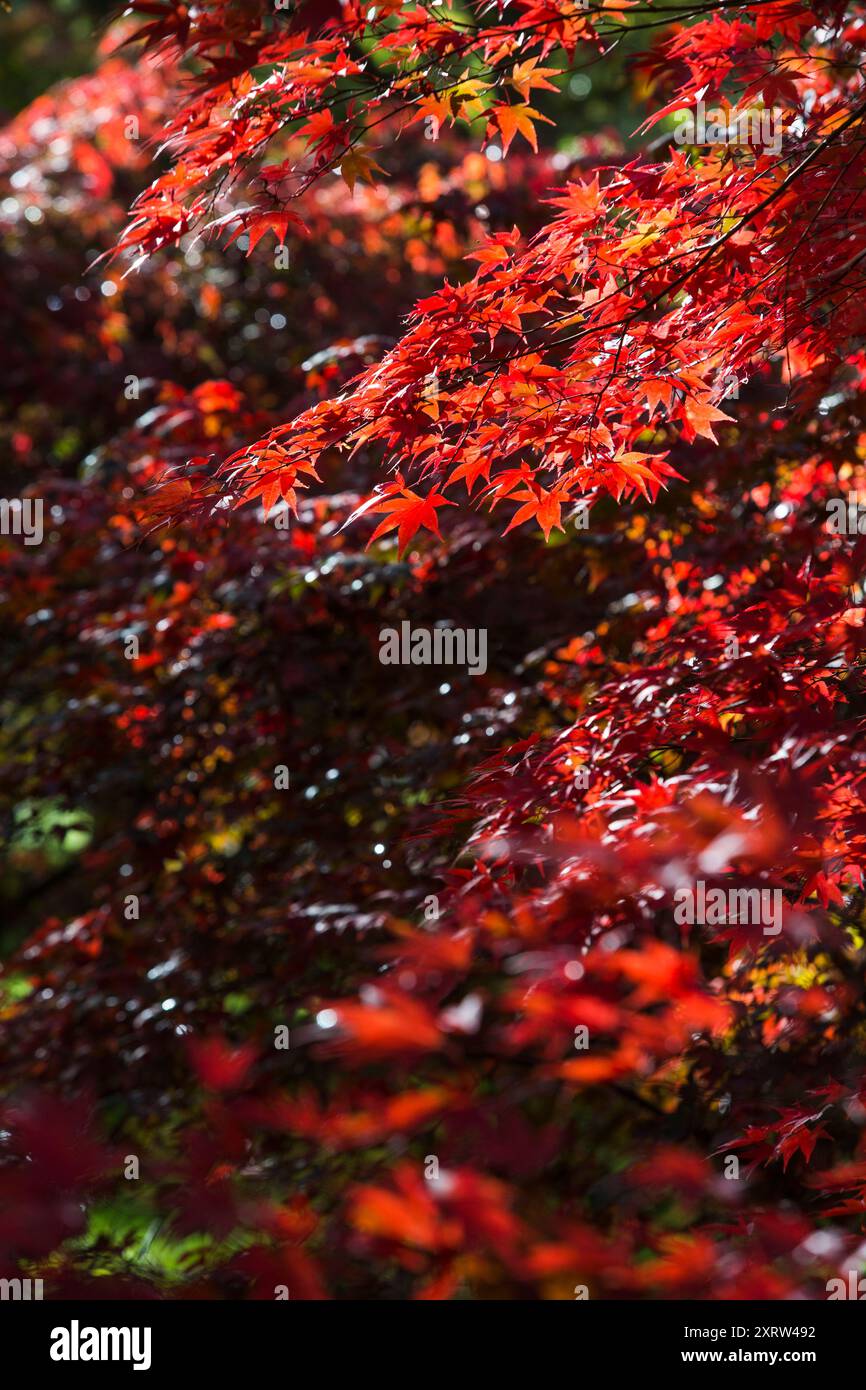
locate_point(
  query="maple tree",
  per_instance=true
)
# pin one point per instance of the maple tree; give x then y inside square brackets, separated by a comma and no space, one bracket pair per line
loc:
[593,400]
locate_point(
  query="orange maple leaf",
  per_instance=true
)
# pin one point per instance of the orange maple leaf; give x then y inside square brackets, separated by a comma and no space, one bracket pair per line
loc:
[544,505]
[356,164]
[529,74]
[699,417]
[409,513]
[518,119]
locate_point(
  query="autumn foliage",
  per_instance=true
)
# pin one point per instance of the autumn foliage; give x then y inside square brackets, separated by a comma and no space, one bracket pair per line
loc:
[594,396]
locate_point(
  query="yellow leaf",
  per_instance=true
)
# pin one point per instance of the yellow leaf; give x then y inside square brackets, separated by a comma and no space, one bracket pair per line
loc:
[358,165]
